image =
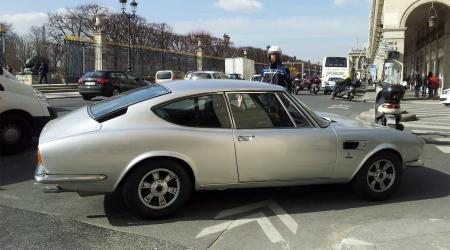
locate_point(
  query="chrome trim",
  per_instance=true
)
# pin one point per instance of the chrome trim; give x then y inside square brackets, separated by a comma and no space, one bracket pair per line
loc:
[42,177]
[414,164]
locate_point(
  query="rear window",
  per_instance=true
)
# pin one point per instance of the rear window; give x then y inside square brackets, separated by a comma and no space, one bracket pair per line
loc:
[164,75]
[339,62]
[197,76]
[123,101]
[95,74]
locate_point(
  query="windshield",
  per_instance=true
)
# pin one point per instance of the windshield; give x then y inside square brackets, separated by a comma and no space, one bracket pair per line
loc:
[164,75]
[95,74]
[337,62]
[107,106]
[319,120]
[197,76]
[335,79]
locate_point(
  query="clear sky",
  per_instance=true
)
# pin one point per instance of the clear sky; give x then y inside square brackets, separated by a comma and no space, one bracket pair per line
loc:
[308,29]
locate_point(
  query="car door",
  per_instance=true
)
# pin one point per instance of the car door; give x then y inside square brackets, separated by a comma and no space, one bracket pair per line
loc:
[203,133]
[275,145]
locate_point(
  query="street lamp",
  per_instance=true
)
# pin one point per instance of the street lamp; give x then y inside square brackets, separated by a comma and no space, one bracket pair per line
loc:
[123,5]
[3,37]
[432,17]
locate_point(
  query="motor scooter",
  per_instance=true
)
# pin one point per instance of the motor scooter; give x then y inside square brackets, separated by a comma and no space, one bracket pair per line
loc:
[297,85]
[387,106]
[345,89]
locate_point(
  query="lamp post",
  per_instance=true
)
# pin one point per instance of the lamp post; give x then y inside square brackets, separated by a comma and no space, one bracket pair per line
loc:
[129,16]
[3,37]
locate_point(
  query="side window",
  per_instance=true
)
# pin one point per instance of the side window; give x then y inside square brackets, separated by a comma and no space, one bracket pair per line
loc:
[258,110]
[216,75]
[298,118]
[203,112]
[118,75]
[131,77]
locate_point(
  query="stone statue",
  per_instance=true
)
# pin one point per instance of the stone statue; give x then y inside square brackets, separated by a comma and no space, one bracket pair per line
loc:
[32,65]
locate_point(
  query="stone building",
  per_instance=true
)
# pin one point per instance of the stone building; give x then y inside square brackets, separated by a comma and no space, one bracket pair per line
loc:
[357,60]
[401,37]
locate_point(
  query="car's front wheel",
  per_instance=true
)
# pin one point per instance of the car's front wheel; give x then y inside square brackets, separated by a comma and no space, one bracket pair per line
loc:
[157,189]
[379,177]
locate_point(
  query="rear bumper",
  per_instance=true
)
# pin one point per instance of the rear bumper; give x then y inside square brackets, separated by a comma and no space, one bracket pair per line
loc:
[41,176]
[95,90]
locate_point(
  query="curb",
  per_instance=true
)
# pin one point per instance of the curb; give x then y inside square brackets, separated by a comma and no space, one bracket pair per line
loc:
[370,116]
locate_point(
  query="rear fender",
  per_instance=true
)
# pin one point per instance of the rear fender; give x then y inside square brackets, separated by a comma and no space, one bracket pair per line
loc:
[154,154]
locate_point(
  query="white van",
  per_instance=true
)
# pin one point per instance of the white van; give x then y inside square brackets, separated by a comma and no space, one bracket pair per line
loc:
[24,111]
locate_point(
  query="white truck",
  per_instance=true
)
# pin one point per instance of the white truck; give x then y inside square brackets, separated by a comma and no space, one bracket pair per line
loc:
[24,111]
[240,65]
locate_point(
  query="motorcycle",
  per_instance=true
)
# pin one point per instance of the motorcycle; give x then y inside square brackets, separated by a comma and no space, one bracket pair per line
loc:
[387,106]
[314,88]
[345,89]
[297,85]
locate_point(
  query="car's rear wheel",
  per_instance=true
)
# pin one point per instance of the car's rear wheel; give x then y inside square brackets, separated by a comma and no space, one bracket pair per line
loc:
[157,189]
[115,91]
[379,177]
[15,134]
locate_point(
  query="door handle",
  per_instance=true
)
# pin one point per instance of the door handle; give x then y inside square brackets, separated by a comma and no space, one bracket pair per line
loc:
[245,137]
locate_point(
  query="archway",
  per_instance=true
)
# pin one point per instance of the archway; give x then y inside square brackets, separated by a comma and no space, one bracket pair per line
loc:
[427,49]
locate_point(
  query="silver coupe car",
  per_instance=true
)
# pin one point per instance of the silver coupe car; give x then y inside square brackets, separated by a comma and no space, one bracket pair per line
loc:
[157,144]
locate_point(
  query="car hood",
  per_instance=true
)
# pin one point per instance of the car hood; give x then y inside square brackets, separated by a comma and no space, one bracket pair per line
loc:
[340,121]
[76,122]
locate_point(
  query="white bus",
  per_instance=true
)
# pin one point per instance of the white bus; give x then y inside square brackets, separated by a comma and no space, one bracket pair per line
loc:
[335,67]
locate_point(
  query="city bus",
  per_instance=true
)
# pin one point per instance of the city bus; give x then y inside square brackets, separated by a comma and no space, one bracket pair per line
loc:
[335,67]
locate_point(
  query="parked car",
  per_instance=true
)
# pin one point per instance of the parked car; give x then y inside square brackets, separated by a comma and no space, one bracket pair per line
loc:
[256,78]
[23,113]
[235,77]
[168,75]
[188,75]
[328,85]
[157,144]
[199,75]
[445,97]
[108,83]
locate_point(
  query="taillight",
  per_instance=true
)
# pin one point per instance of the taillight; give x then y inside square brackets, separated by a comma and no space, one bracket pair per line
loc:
[103,80]
[174,77]
[80,81]
[391,106]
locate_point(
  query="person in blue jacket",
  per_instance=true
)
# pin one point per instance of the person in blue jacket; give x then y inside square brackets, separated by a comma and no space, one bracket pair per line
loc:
[275,72]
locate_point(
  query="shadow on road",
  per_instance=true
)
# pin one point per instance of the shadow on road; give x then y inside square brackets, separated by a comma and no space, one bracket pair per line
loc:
[19,167]
[418,184]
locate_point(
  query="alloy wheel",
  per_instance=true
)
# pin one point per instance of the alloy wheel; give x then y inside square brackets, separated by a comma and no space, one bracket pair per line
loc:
[159,188]
[381,176]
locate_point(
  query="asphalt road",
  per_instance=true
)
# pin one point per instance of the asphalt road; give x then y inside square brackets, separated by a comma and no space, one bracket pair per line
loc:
[312,217]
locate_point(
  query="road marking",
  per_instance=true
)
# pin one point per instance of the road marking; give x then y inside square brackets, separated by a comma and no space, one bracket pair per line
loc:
[431,132]
[444,149]
[428,126]
[339,106]
[270,231]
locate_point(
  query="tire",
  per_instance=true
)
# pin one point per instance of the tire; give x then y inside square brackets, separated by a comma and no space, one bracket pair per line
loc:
[350,96]
[15,134]
[115,91]
[87,98]
[146,202]
[367,182]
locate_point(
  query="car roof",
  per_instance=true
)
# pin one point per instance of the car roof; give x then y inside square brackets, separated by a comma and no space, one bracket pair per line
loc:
[209,86]
[206,71]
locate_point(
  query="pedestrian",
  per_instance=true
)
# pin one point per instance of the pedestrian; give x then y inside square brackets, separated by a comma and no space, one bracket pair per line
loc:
[417,85]
[43,71]
[434,81]
[275,72]
[430,88]
[9,69]
[424,85]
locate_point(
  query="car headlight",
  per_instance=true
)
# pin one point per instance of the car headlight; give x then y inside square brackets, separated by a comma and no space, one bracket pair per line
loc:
[447,91]
[40,96]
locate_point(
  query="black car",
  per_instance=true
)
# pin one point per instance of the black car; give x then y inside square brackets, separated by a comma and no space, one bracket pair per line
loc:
[108,83]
